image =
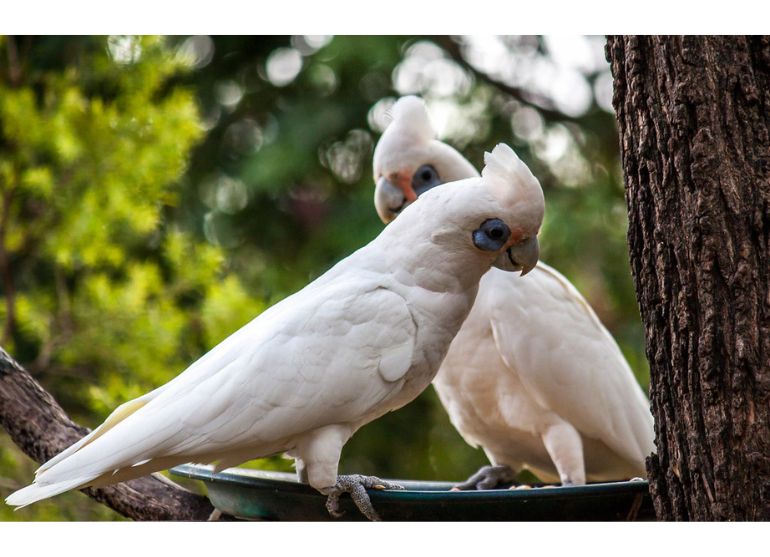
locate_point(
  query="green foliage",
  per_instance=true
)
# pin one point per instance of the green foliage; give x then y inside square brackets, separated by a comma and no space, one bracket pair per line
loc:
[111,298]
[159,193]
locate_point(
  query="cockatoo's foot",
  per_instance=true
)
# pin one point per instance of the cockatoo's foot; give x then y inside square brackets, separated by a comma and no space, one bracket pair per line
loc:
[356,485]
[488,477]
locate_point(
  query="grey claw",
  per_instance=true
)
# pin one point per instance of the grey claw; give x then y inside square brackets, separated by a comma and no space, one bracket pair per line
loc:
[333,504]
[488,477]
[356,485]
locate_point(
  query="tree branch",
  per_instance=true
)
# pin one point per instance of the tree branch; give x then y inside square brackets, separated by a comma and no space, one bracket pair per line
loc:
[542,105]
[39,426]
[5,263]
[14,64]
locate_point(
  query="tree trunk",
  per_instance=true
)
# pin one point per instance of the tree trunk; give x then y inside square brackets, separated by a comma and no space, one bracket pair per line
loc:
[39,426]
[694,122]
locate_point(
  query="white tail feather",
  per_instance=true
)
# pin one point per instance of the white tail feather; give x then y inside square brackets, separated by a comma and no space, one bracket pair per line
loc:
[117,416]
[35,492]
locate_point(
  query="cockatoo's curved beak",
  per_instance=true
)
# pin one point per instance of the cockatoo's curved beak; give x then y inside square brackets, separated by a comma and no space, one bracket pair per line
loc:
[390,199]
[519,257]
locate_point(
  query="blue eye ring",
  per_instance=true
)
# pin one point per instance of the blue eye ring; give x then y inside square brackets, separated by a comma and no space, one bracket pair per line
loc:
[491,235]
[424,179]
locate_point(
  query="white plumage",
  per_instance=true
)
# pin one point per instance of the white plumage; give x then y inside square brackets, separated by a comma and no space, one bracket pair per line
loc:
[533,376]
[363,339]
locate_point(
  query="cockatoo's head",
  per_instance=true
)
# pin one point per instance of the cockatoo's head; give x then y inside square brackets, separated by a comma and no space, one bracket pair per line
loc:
[409,161]
[493,219]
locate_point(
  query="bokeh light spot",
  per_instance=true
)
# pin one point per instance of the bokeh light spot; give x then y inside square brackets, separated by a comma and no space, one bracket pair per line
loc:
[197,51]
[228,93]
[283,66]
[124,49]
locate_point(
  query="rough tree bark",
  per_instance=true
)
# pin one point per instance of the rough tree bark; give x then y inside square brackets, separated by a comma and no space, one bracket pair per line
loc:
[39,426]
[694,122]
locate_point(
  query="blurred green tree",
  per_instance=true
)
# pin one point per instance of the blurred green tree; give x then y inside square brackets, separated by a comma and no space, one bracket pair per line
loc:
[160,192]
[104,298]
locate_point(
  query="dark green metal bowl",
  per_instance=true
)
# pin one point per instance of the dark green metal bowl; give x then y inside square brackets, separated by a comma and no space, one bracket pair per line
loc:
[263,495]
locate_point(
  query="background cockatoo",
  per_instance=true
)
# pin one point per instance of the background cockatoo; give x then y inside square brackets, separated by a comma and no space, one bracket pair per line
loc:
[533,376]
[363,339]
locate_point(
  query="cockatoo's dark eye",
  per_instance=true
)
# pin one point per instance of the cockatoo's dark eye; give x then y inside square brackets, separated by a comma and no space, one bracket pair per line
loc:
[424,179]
[491,235]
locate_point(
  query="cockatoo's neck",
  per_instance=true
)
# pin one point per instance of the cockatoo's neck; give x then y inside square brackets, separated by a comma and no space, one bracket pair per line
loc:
[428,267]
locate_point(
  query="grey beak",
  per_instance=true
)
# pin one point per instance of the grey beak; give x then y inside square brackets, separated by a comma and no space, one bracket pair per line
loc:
[389,200]
[525,254]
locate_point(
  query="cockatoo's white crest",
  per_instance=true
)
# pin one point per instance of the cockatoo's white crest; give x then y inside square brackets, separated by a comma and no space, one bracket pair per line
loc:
[411,115]
[409,129]
[511,181]
[504,165]
[406,145]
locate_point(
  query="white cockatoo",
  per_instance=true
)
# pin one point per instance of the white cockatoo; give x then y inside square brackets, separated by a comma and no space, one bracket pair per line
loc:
[363,339]
[533,376]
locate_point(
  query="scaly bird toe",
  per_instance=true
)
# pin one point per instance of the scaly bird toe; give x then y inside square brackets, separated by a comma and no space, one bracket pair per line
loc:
[356,485]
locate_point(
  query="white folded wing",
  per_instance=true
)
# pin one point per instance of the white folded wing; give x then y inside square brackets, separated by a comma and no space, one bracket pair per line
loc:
[568,362]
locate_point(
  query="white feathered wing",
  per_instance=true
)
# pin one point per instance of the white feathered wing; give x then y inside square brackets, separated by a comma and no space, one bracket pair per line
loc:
[572,366]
